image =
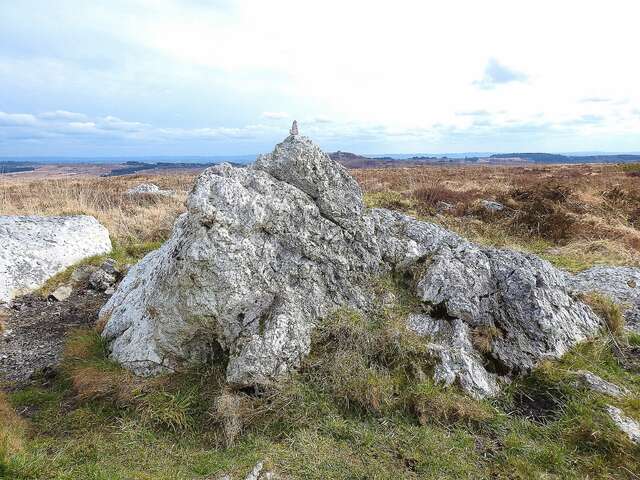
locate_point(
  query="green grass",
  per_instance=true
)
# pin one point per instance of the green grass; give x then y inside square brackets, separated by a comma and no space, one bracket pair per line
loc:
[124,254]
[608,310]
[362,406]
[630,167]
[390,200]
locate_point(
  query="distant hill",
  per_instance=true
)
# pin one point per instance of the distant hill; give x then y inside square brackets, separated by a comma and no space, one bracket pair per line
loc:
[15,167]
[134,167]
[353,160]
[558,158]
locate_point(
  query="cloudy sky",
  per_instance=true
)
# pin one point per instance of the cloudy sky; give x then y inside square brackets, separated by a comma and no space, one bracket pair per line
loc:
[216,77]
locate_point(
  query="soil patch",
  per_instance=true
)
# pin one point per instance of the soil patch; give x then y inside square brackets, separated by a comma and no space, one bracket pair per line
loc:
[33,336]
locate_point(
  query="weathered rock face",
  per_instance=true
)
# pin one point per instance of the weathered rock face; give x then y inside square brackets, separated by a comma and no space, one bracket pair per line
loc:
[33,249]
[516,305]
[621,284]
[251,266]
[264,253]
[301,163]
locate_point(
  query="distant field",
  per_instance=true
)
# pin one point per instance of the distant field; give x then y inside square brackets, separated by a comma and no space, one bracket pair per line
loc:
[574,215]
[130,219]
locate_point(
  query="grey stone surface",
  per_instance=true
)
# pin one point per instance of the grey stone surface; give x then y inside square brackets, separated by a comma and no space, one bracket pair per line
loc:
[597,384]
[626,424]
[520,297]
[61,293]
[101,280]
[458,361]
[300,163]
[82,273]
[254,474]
[251,266]
[33,249]
[264,253]
[110,266]
[149,189]
[492,205]
[444,206]
[621,284]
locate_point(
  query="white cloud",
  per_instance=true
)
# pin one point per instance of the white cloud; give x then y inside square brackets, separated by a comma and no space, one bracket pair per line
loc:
[62,115]
[17,119]
[275,115]
[479,128]
[115,123]
[495,73]
[401,81]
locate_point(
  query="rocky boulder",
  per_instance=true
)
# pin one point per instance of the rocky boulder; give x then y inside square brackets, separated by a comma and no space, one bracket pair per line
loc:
[492,206]
[265,253]
[149,189]
[36,248]
[591,381]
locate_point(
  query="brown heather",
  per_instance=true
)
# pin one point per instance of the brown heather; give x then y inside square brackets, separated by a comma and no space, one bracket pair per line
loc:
[573,215]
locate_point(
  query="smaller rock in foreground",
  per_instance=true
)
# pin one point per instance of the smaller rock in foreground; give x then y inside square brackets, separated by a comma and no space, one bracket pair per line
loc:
[599,385]
[492,206]
[626,424]
[61,293]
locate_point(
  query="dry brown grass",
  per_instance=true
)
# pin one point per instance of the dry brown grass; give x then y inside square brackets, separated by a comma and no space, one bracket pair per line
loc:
[483,337]
[575,215]
[92,377]
[228,410]
[129,219]
[4,316]
[609,311]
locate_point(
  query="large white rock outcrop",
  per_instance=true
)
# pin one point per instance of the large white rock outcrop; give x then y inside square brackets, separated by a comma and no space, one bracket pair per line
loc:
[250,267]
[264,253]
[33,249]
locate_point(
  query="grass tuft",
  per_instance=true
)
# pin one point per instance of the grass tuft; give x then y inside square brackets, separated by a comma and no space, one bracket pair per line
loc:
[12,429]
[609,311]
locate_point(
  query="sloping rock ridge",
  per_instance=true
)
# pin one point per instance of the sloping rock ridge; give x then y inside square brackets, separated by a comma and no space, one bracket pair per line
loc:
[264,253]
[33,249]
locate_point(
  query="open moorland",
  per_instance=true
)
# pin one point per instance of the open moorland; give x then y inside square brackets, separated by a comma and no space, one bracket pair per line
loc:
[351,410]
[576,216]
